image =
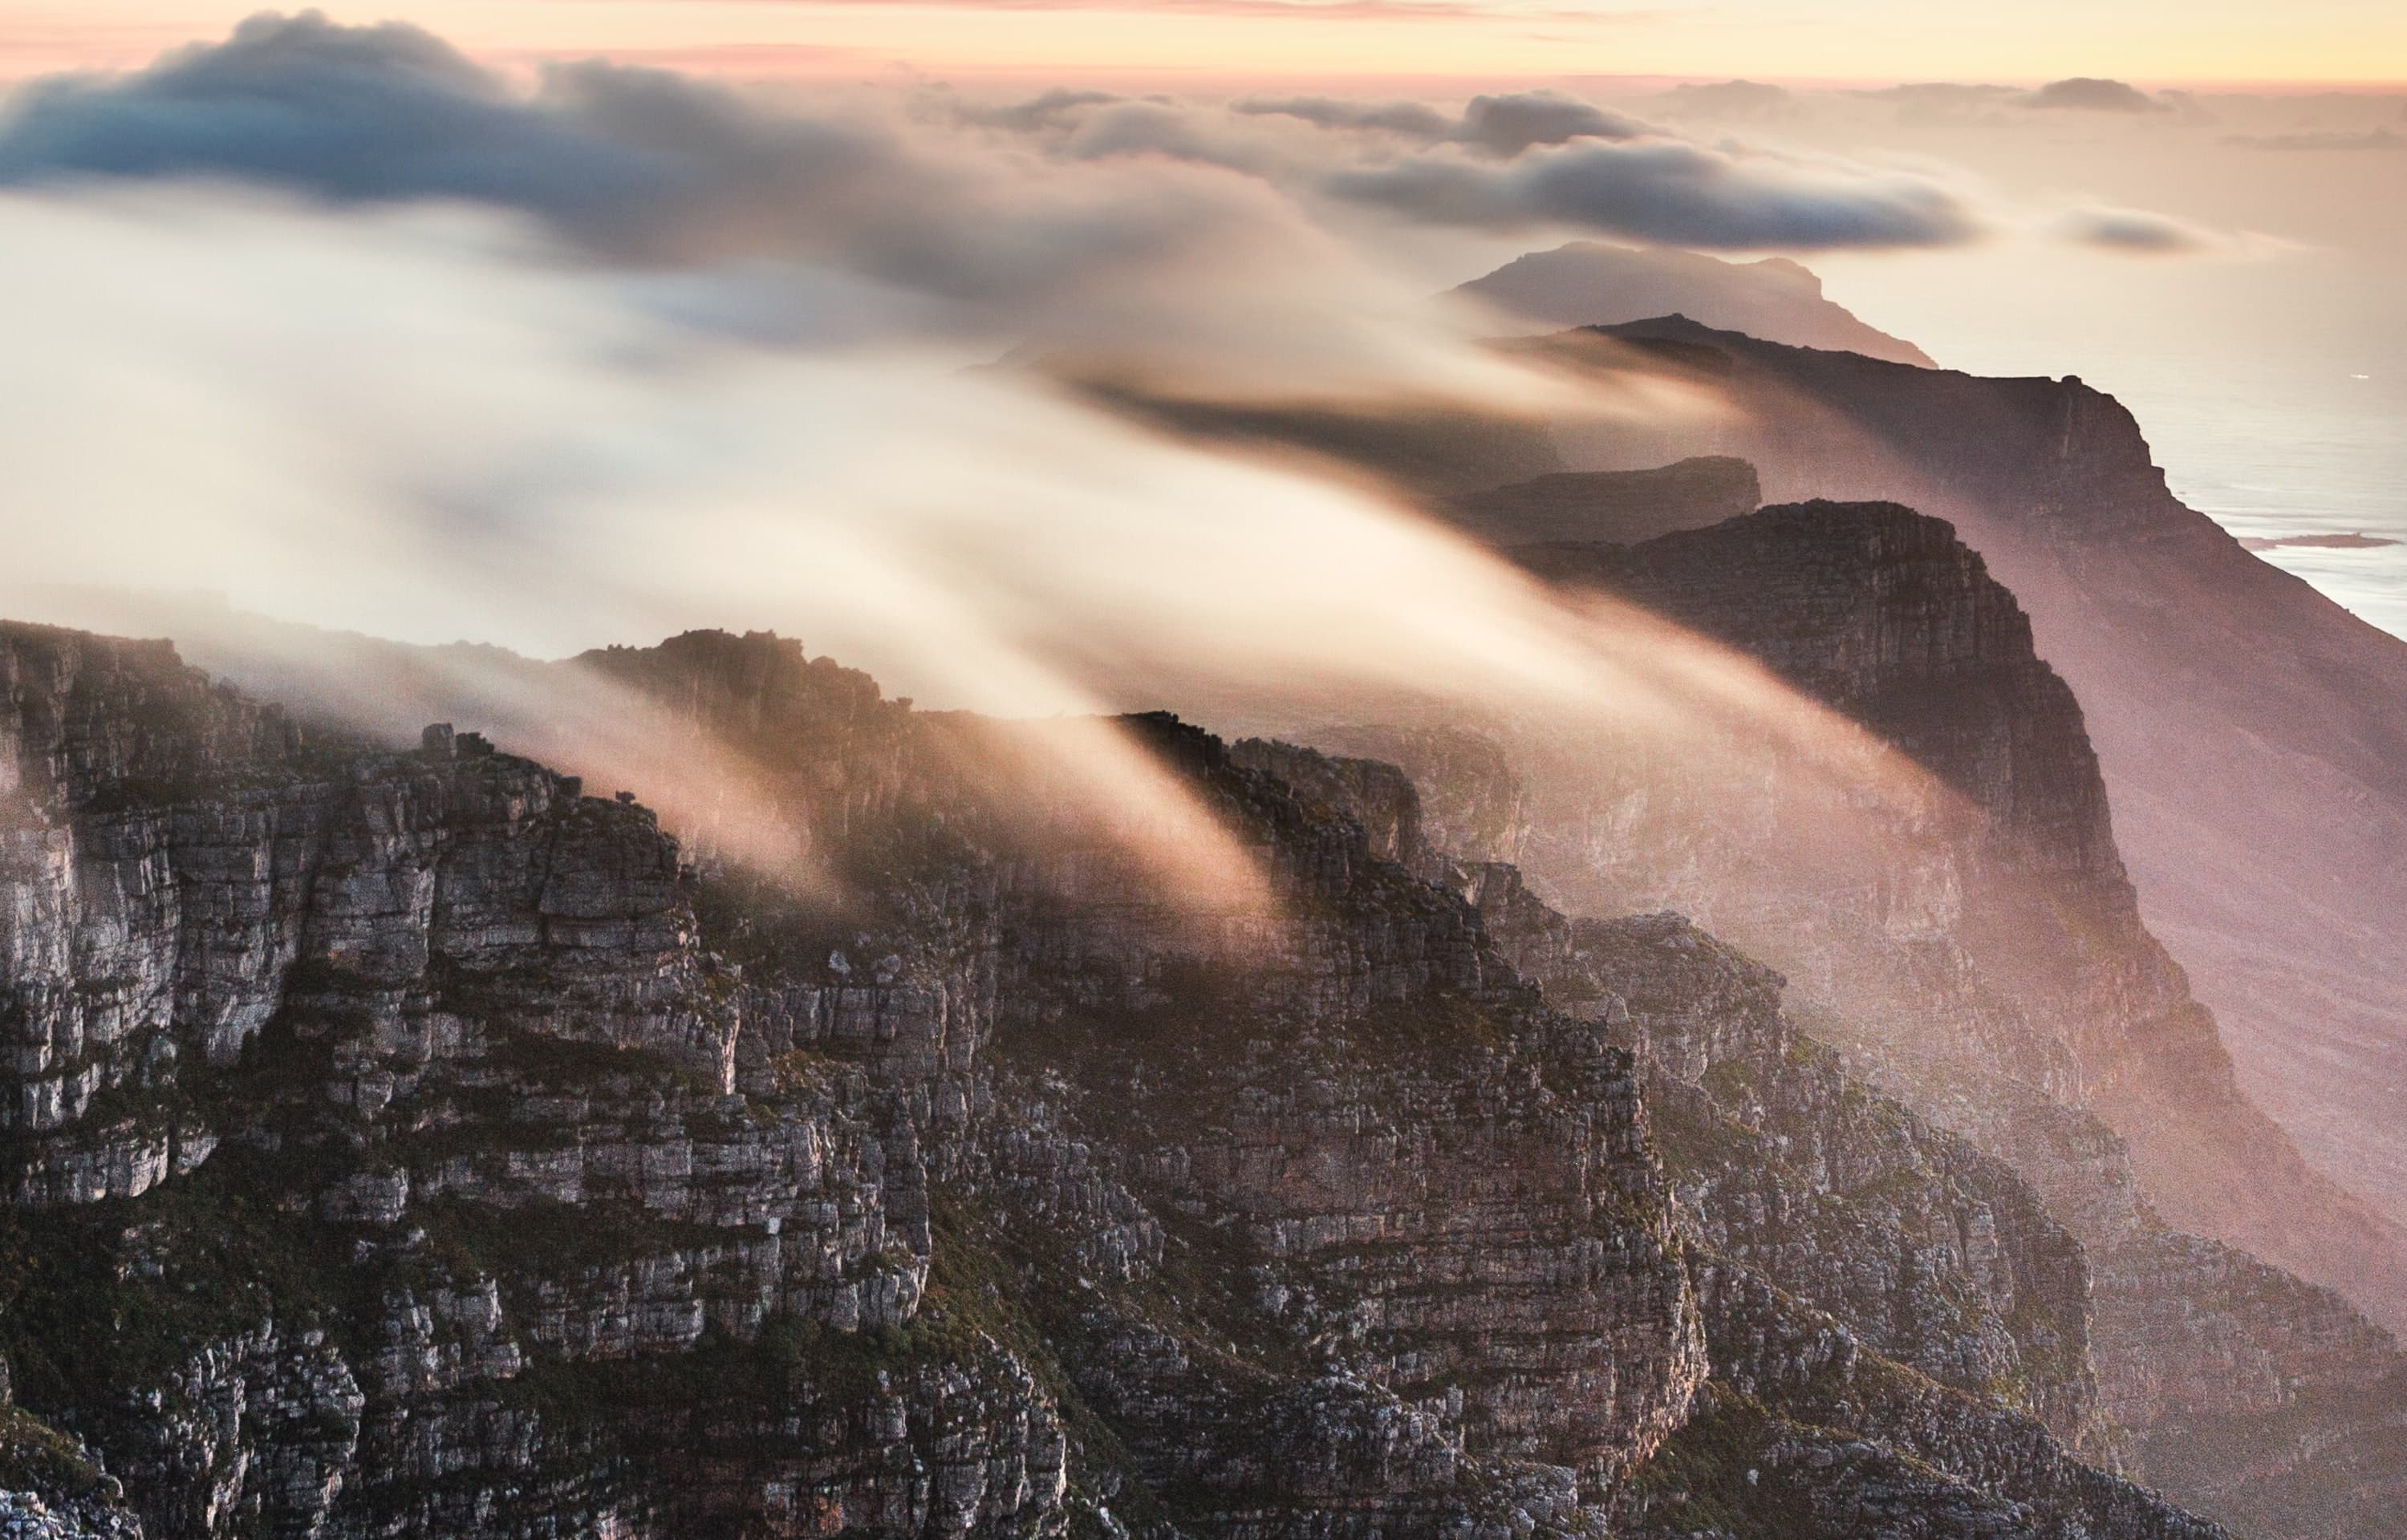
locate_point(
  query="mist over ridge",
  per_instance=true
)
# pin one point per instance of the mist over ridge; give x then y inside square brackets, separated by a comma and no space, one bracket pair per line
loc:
[748,795]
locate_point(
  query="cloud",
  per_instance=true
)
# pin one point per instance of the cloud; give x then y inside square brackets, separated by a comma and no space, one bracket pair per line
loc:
[1043,110]
[1171,130]
[1412,119]
[783,222]
[1541,160]
[2378,138]
[1316,10]
[639,165]
[1675,193]
[2136,232]
[1507,125]
[1499,125]
[1926,105]
[529,454]
[1131,237]
[2084,93]
[631,353]
[1940,93]
[349,113]
[452,438]
[1729,99]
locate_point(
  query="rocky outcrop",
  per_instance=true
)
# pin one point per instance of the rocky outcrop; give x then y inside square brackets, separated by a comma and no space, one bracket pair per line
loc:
[2235,713]
[1374,1157]
[179,869]
[52,1487]
[1934,1254]
[1880,1299]
[558,1186]
[1467,798]
[1881,614]
[446,1079]
[1977,951]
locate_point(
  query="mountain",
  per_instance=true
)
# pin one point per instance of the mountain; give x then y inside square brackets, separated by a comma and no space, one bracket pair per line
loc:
[402,1141]
[2252,734]
[1976,952]
[1957,1223]
[1588,283]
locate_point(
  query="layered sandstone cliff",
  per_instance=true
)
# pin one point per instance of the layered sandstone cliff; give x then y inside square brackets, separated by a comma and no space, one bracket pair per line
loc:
[1977,952]
[520,1178]
[2249,730]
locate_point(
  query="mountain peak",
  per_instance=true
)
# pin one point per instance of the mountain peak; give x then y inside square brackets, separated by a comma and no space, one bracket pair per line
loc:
[1589,283]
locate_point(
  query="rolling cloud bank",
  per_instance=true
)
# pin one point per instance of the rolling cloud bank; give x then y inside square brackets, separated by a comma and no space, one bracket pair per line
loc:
[691,355]
[743,308]
[611,352]
[628,353]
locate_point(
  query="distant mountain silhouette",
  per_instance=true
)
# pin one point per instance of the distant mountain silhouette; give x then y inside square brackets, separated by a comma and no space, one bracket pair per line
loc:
[1588,283]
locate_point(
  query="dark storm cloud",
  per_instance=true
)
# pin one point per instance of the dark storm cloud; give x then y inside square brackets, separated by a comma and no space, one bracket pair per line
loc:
[1501,125]
[2085,95]
[1675,193]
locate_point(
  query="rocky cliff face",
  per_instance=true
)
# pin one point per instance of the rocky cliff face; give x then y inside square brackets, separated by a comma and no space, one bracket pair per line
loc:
[429,1083]
[1897,1328]
[519,1178]
[1981,955]
[1881,614]
[2248,728]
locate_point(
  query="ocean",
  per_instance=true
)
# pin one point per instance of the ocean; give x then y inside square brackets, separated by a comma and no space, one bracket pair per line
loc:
[2313,456]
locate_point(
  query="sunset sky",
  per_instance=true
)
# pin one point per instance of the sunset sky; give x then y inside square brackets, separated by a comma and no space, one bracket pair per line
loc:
[2151,41]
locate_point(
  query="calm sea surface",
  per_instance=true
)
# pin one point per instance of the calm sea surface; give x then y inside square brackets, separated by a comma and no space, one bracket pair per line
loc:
[2313,461]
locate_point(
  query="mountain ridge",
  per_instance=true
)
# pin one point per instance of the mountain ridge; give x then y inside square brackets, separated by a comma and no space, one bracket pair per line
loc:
[2230,704]
[872,1176]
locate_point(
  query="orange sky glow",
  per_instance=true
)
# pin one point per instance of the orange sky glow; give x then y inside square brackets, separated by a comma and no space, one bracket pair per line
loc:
[1204,44]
